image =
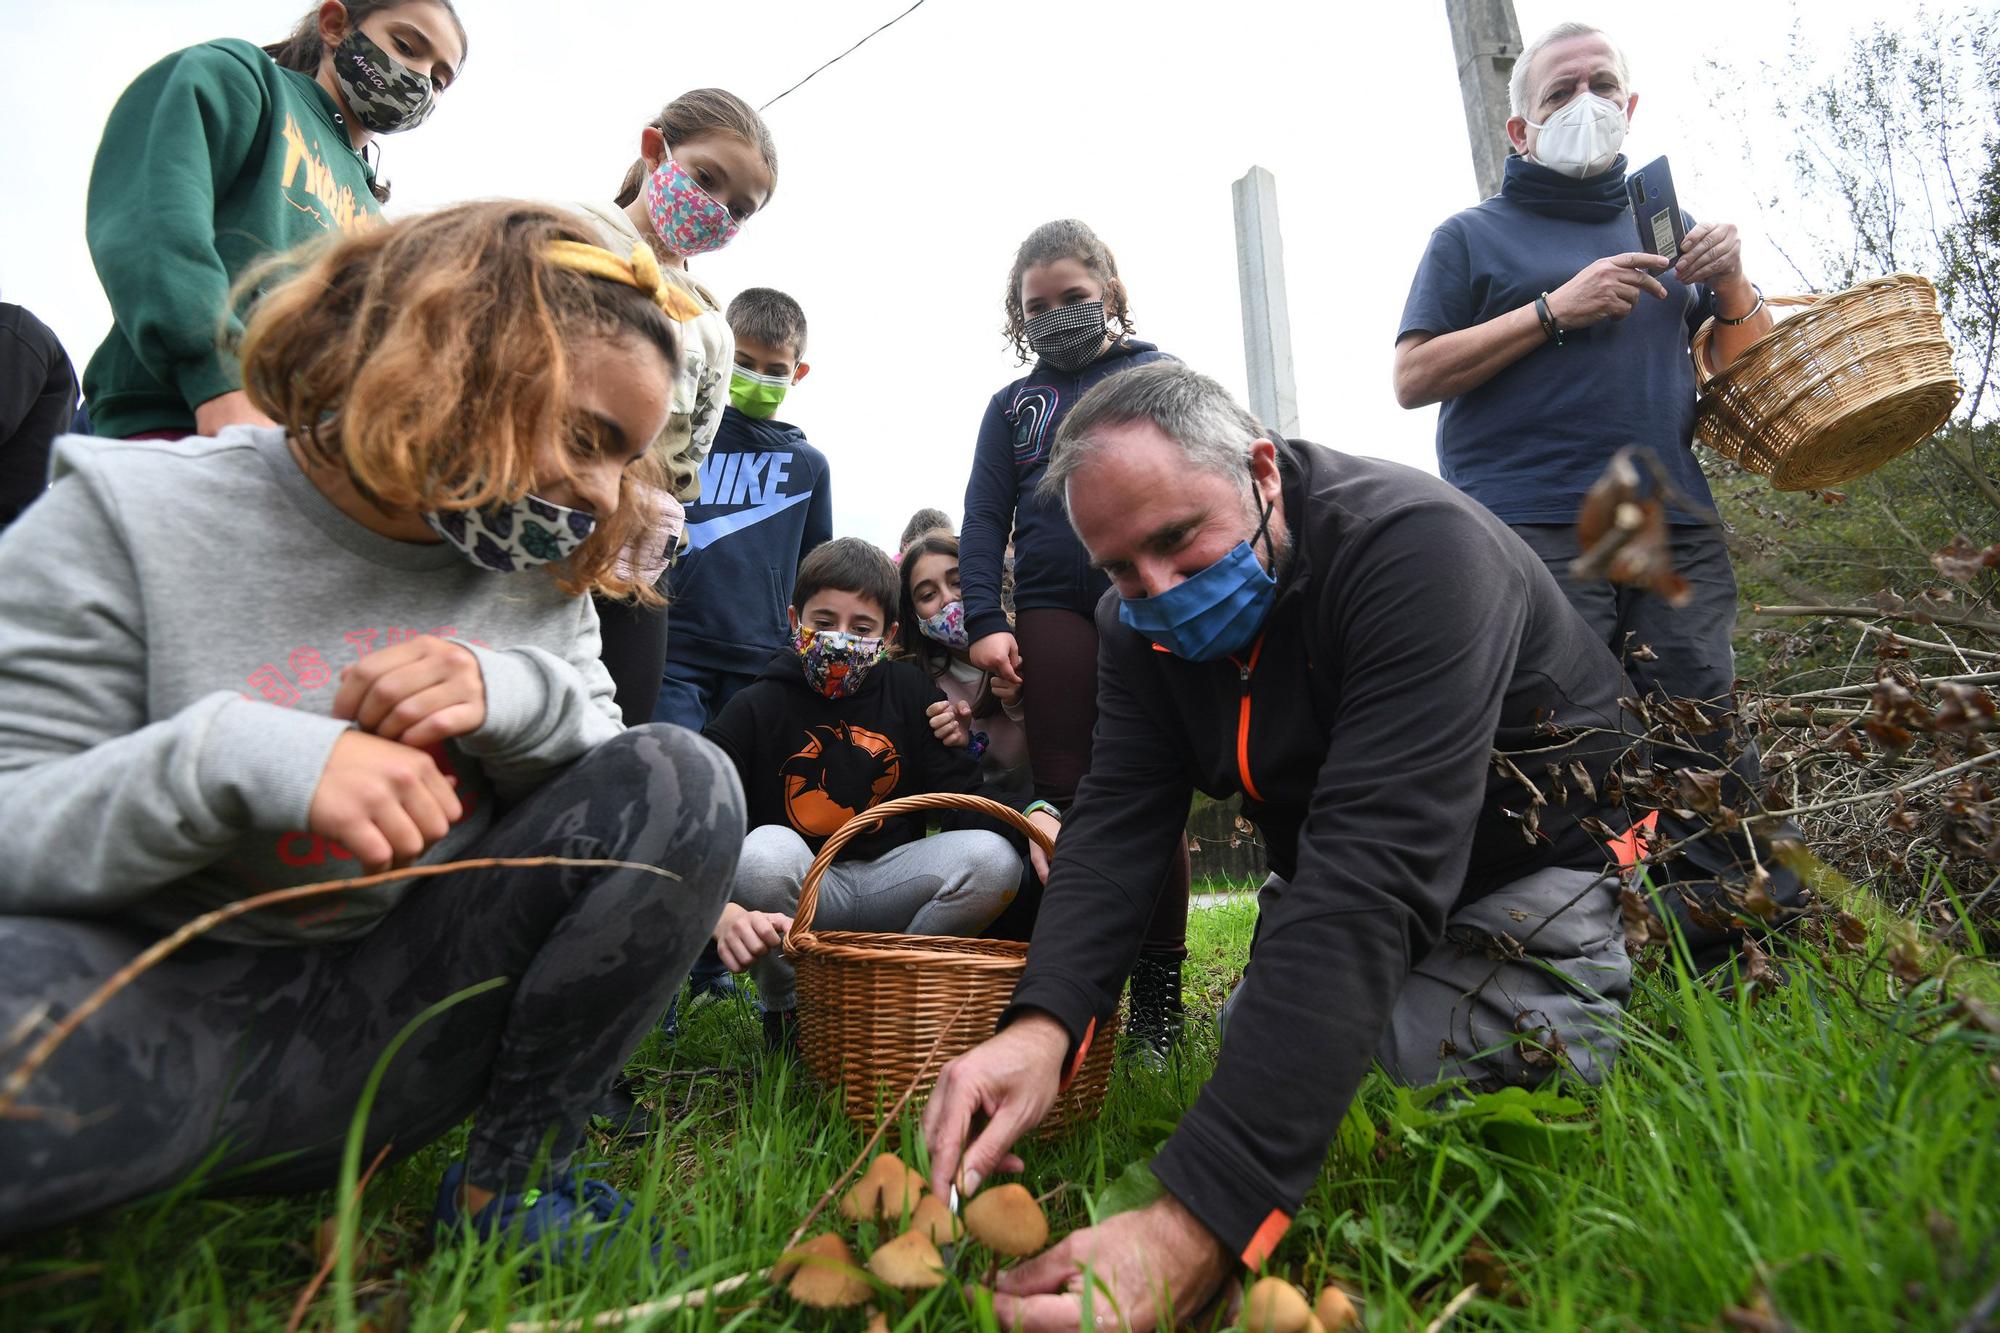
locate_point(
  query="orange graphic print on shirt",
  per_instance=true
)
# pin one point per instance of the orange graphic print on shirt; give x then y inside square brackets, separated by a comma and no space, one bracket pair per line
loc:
[311,186]
[840,771]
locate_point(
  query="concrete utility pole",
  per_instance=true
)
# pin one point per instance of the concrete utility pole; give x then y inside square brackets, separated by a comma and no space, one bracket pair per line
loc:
[1486,40]
[1267,324]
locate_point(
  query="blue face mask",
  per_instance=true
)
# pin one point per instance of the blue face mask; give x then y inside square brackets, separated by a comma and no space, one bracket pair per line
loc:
[1216,613]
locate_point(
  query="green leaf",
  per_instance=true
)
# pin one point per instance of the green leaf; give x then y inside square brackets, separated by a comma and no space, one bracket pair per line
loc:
[1135,1187]
[1355,1140]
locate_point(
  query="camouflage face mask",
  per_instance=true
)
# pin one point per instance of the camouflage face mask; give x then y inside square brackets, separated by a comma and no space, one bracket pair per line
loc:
[383,94]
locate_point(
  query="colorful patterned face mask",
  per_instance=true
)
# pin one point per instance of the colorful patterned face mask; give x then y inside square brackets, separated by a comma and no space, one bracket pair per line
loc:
[687,218]
[383,93]
[756,395]
[508,538]
[947,626]
[836,662]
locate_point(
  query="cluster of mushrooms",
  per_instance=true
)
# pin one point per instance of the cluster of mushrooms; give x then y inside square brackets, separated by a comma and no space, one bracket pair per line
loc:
[1274,1305]
[822,1272]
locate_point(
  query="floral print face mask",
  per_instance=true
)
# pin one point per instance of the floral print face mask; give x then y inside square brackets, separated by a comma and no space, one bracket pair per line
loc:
[686,218]
[836,662]
[947,626]
[508,538]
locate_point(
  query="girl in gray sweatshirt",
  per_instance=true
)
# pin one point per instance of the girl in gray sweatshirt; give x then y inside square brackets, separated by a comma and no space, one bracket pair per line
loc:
[358,641]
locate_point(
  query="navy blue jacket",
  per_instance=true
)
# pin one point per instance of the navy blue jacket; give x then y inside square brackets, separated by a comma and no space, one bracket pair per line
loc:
[765,502]
[1050,566]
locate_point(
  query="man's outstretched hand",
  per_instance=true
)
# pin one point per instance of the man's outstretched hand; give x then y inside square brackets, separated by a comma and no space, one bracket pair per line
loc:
[1147,1268]
[1011,1079]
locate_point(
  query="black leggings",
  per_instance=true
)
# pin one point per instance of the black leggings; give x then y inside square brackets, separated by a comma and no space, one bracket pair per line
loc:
[634,651]
[1059,695]
[248,1054]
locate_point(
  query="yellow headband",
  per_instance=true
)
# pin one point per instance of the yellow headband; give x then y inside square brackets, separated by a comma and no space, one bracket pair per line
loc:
[642,272]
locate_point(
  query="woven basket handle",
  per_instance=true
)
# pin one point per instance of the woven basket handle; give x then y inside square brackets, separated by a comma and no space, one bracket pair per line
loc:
[1699,346]
[902,805]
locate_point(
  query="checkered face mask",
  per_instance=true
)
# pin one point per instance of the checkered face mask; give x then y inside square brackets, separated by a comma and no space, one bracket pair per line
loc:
[1068,337]
[687,218]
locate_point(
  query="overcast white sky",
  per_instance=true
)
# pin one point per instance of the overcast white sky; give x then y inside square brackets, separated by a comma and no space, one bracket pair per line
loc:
[911,170]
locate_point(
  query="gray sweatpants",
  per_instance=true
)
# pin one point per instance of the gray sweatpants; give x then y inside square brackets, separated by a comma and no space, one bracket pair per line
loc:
[946,884]
[1530,978]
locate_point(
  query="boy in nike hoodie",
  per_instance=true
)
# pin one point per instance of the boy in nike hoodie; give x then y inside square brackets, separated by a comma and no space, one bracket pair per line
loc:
[765,503]
[829,730]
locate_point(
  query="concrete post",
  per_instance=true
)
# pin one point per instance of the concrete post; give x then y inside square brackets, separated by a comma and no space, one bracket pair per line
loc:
[1267,326]
[1485,40]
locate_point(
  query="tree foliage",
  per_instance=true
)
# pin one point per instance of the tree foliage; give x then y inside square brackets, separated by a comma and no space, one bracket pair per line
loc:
[1886,159]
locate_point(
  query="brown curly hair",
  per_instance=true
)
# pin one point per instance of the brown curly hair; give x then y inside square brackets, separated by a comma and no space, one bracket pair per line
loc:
[433,359]
[1065,238]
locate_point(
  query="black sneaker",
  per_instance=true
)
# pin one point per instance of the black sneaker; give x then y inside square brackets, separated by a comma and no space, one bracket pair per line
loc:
[781,1030]
[619,1114]
[1156,1014]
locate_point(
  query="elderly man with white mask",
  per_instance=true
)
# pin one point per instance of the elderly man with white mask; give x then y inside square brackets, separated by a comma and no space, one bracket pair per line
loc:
[1551,343]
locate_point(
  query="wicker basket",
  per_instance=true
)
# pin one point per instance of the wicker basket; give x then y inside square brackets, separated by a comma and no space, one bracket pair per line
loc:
[1835,392]
[873,1006]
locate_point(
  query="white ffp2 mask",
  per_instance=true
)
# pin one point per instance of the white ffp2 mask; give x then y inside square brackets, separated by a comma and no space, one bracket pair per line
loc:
[1583,138]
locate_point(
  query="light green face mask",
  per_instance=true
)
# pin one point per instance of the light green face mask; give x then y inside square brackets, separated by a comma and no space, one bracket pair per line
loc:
[757,395]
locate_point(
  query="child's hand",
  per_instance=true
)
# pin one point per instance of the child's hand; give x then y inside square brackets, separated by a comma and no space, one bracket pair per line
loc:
[1038,858]
[382,801]
[743,936]
[997,655]
[948,722]
[1008,692]
[419,692]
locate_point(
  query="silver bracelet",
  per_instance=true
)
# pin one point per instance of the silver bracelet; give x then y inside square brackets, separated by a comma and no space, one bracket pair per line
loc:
[1749,314]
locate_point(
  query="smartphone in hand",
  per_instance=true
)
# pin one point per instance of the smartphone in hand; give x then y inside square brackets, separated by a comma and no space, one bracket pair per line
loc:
[1662,227]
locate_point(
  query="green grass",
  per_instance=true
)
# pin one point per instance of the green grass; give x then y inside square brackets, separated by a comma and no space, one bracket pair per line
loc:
[1827,1155]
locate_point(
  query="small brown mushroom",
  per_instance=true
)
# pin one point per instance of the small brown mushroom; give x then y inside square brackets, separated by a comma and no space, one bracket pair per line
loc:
[1275,1306]
[823,1273]
[935,1220]
[1007,1220]
[886,1190]
[1336,1310]
[909,1262]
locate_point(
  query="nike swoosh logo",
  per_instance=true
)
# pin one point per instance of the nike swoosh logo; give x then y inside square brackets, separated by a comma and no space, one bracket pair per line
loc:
[711,530]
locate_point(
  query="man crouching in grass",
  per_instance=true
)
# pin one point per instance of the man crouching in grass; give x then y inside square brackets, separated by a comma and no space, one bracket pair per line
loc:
[1344,642]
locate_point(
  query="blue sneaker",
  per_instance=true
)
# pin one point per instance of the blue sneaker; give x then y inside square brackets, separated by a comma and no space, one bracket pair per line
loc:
[578,1219]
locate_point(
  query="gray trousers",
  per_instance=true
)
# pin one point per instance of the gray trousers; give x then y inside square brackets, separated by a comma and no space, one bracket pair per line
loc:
[946,884]
[248,1059]
[1692,656]
[1692,659]
[1531,978]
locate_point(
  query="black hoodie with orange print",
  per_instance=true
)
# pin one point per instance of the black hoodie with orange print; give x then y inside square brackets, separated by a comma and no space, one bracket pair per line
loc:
[813,763]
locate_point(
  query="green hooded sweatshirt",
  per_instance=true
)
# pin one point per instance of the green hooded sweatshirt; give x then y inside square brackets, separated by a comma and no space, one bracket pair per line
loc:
[212,160]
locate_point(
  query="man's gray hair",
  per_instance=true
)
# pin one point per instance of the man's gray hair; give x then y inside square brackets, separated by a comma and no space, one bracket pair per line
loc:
[1517,84]
[1188,407]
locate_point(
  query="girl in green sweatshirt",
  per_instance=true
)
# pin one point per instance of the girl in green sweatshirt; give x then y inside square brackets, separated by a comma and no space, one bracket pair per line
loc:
[221,155]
